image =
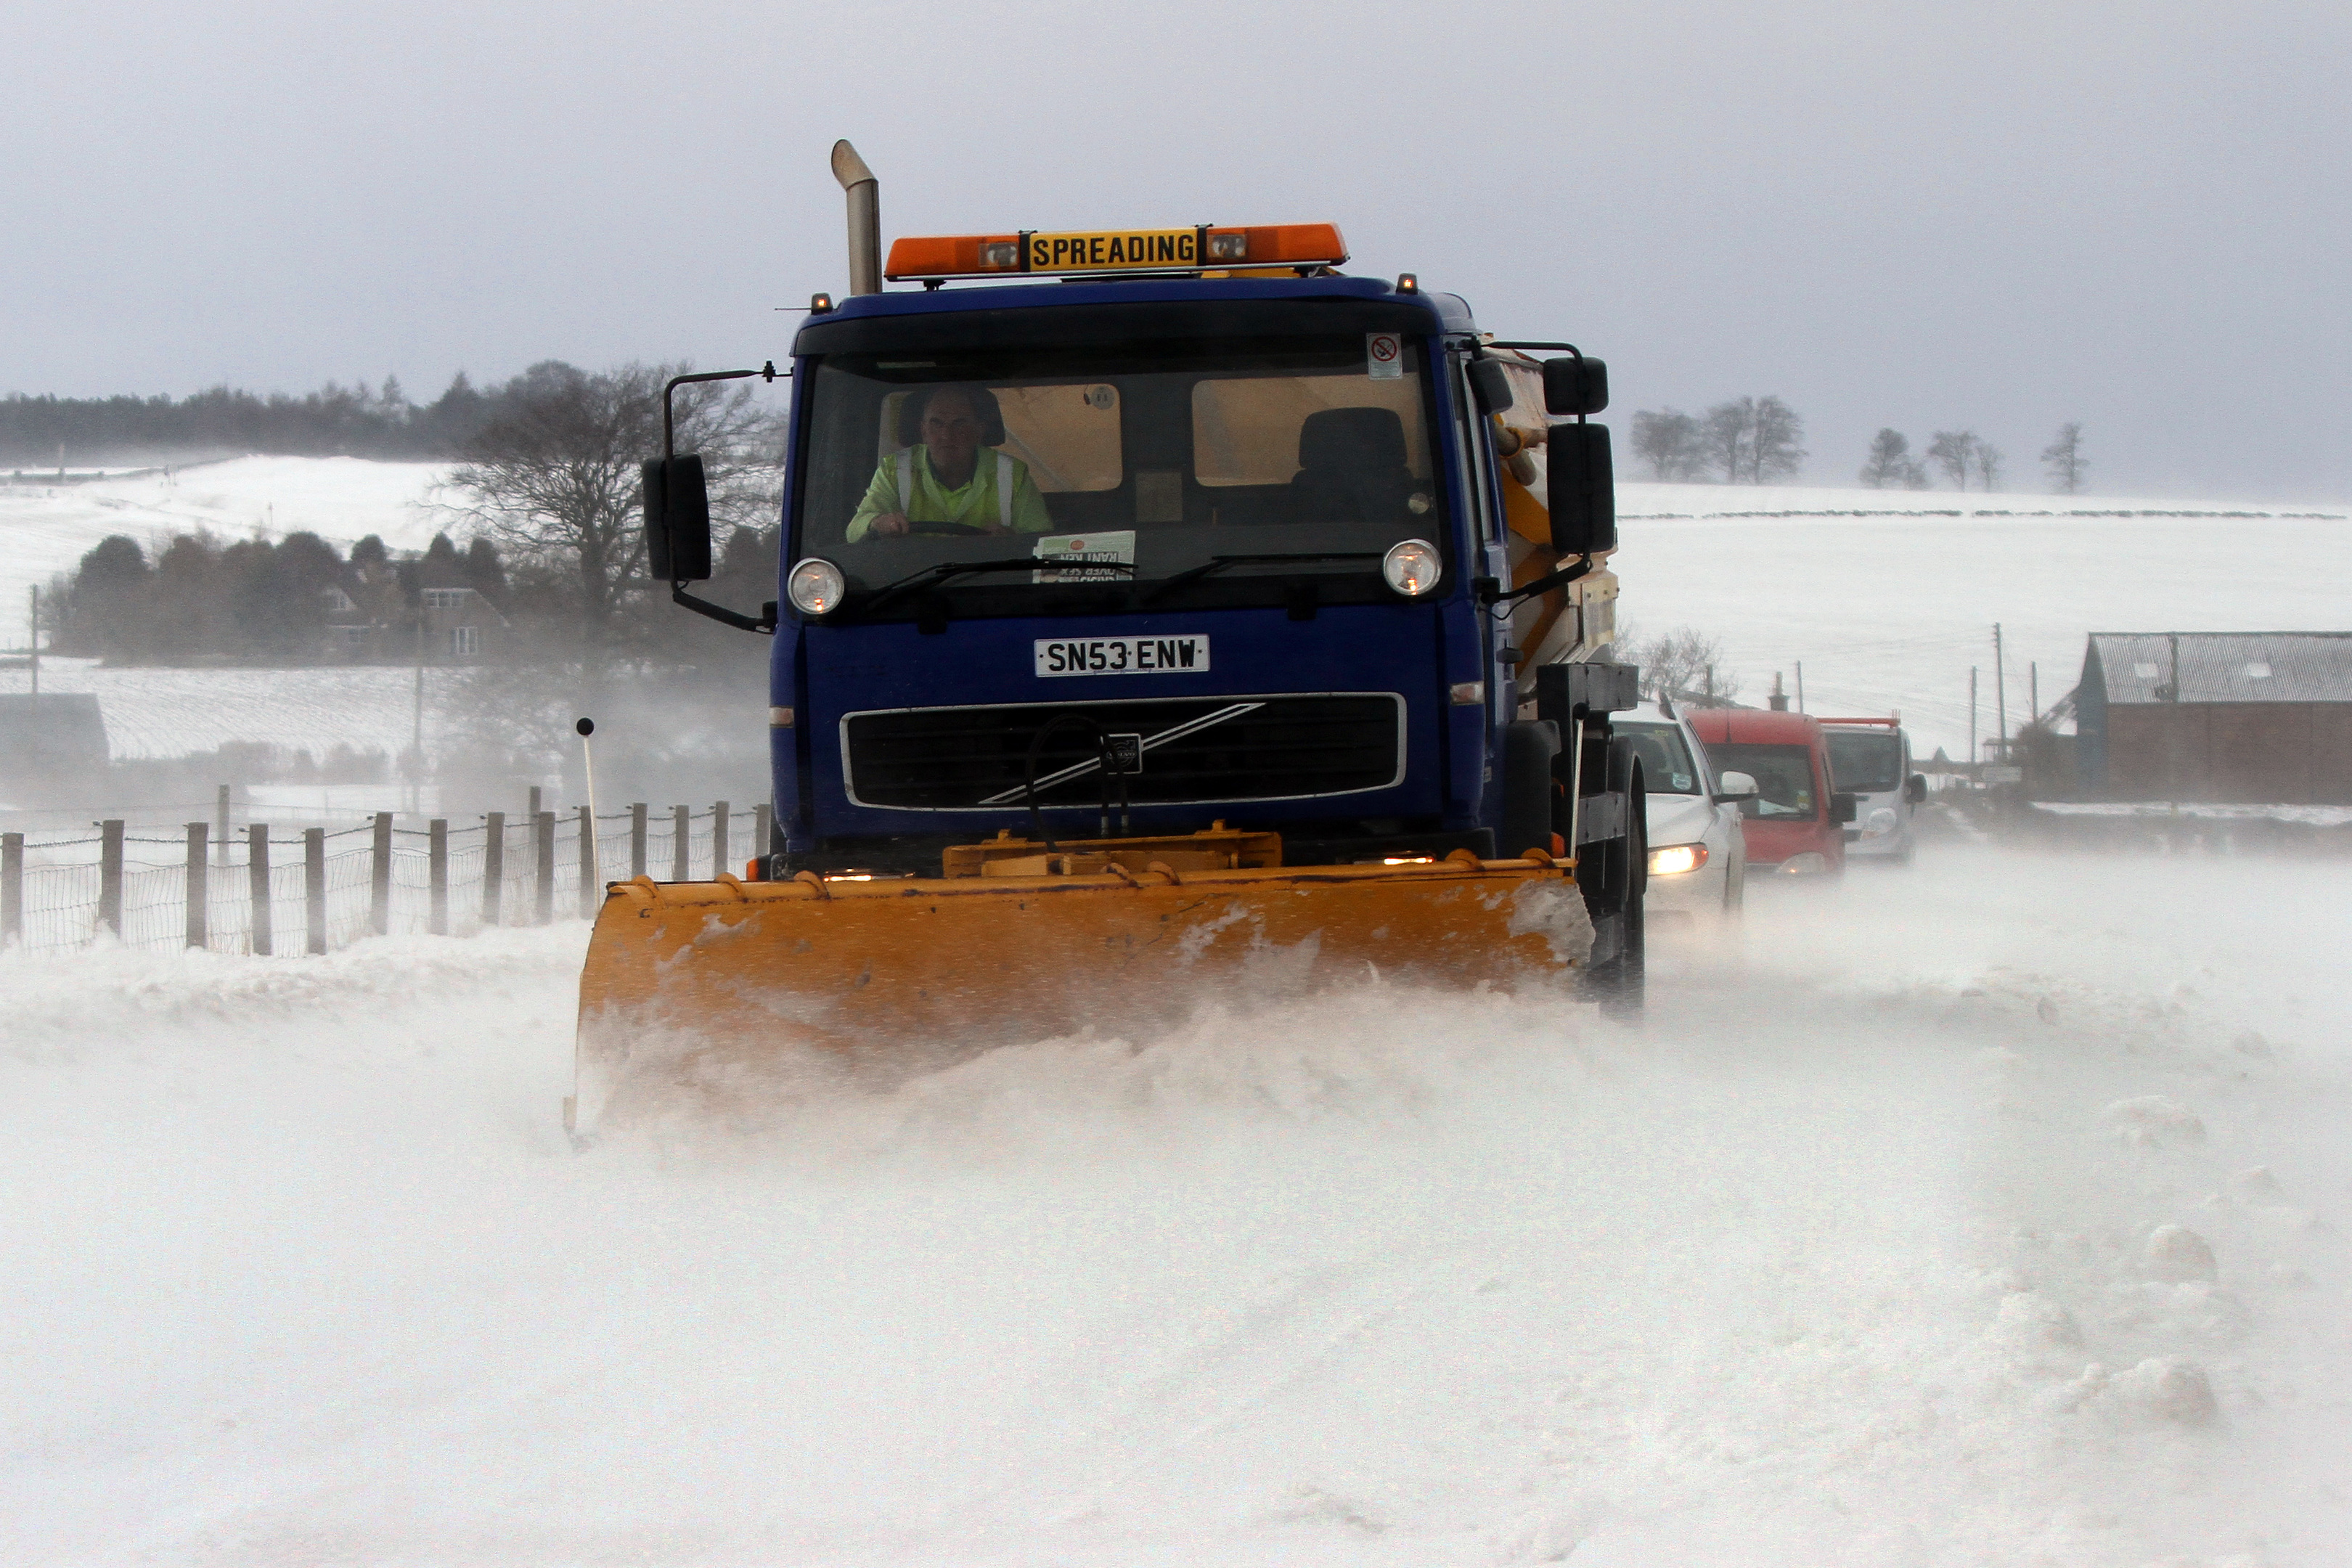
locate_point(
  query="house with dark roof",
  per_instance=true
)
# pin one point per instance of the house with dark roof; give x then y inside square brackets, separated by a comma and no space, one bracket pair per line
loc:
[2254,717]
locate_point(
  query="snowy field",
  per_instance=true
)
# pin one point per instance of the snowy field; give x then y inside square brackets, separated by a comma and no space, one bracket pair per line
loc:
[1992,1214]
[166,712]
[1886,610]
[343,499]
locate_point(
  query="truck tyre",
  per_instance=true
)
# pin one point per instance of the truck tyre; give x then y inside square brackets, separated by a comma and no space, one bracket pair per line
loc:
[1620,982]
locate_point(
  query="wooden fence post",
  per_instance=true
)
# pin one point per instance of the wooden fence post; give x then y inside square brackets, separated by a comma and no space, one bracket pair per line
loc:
[590,884]
[199,890]
[314,887]
[220,826]
[257,884]
[110,875]
[12,889]
[718,839]
[380,878]
[531,821]
[764,835]
[681,845]
[637,839]
[494,866]
[438,861]
[543,866]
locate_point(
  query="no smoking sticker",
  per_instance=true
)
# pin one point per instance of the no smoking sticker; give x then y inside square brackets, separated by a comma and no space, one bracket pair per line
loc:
[1383,356]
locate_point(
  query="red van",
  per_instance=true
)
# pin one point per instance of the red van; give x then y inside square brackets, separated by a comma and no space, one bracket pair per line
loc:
[1796,822]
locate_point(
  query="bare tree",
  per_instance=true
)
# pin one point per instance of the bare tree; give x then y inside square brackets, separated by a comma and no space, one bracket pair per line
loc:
[1726,436]
[1954,451]
[552,477]
[1988,460]
[1889,461]
[2064,461]
[1683,664]
[1669,440]
[1776,448]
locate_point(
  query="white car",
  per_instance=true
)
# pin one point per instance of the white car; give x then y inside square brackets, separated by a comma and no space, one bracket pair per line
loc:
[1870,758]
[1698,855]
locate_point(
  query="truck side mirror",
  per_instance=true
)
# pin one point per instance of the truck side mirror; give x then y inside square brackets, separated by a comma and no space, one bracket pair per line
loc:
[1574,387]
[1490,385]
[1843,806]
[1583,489]
[1915,788]
[678,520]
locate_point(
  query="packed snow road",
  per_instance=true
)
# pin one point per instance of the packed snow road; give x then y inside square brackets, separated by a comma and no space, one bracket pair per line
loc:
[1988,1213]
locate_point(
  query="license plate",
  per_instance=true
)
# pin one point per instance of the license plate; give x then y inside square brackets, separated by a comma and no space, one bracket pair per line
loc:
[1122,656]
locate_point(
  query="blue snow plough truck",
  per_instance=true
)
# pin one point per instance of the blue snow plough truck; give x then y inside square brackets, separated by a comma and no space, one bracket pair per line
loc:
[1175,567]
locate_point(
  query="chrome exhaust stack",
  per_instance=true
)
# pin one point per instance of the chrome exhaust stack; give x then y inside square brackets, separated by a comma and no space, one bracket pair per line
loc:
[865,218]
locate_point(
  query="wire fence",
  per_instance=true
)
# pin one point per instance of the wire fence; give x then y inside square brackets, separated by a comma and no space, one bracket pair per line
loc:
[264,891]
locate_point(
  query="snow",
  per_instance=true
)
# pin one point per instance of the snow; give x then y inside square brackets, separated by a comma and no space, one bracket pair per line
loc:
[1885,600]
[171,712]
[49,528]
[1990,1213]
[1889,610]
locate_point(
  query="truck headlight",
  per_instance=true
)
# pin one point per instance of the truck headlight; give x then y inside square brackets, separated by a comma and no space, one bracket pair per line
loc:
[816,587]
[1412,567]
[1881,822]
[1676,858]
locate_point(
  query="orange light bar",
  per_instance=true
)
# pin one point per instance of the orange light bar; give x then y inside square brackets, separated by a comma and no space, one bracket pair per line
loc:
[1122,250]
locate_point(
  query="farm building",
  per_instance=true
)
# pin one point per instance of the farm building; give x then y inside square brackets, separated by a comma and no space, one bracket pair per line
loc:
[2256,718]
[57,732]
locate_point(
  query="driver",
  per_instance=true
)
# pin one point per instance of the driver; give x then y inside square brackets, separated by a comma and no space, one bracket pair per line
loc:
[939,476]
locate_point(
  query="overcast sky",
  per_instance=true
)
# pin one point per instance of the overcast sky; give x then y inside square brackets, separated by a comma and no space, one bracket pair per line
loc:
[1993,216]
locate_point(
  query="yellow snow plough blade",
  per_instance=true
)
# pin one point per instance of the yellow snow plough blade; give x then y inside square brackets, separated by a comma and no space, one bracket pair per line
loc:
[705,988]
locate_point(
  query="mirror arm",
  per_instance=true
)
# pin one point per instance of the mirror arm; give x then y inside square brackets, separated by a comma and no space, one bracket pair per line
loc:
[1491,592]
[764,623]
[767,372]
[1569,348]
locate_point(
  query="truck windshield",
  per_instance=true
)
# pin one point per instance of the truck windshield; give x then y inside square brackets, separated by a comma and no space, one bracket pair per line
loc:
[1865,762]
[1119,463]
[1783,775]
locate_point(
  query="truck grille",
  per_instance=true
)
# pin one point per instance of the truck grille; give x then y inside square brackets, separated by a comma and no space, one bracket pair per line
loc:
[1204,750]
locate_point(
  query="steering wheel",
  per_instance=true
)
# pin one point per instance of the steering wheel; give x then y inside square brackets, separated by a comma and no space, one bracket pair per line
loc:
[942,528]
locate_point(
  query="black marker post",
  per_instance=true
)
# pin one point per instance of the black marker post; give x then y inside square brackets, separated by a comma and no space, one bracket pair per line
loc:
[587,727]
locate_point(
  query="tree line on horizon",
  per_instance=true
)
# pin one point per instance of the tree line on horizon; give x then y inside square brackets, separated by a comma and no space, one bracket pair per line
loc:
[335,421]
[546,496]
[1962,455]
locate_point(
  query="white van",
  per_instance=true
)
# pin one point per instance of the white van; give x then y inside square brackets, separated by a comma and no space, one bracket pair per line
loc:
[1871,760]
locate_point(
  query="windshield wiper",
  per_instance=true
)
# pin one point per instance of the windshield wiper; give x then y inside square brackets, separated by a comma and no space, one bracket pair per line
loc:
[931,576]
[1219,563]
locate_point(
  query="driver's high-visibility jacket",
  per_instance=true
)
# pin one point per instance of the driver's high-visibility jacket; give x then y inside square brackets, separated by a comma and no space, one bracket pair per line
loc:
[1000,494]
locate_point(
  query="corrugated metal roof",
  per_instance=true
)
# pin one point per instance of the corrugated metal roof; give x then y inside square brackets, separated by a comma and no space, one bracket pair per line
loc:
[2226,667]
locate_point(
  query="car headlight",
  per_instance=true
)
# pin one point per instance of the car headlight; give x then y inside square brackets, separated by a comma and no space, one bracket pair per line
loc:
[1412,567]
[1676,858]
[814,588]
[1812,863]
[1881,822]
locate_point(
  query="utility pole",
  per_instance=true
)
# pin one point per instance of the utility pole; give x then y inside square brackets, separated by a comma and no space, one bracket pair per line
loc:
[33,641]
[1801,686]
[1999,695]
[1972,715]
[416,729]
[2033,687]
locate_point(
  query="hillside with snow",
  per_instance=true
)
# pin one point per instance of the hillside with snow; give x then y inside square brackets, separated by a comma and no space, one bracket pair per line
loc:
[1887,598]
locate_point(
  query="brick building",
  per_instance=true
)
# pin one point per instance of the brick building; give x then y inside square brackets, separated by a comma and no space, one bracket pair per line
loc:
[2256,718]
